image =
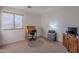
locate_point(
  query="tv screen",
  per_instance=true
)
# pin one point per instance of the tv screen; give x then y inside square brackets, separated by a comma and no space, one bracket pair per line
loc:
[72,30]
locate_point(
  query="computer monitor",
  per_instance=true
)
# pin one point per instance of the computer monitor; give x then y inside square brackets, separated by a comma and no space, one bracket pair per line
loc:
[72,30]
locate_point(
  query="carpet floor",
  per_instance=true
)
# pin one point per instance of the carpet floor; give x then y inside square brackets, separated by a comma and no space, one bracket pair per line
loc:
[39,46]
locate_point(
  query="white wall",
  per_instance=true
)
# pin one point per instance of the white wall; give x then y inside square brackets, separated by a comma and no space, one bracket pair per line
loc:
[0,28]
[10,36]
[60,19]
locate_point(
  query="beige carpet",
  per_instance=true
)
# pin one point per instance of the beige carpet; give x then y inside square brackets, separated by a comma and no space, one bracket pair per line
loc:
[39,46]
[36,43]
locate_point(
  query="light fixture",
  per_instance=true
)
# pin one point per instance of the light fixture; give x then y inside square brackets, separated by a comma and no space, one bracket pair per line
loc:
[29,6]
[53,26]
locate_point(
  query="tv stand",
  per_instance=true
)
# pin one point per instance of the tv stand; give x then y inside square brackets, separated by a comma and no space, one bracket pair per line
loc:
[71,42]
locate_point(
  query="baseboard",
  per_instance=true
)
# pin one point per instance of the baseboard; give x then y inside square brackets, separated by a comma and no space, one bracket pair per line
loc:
[24,39]
[17,41]
[11,43]
[47,39]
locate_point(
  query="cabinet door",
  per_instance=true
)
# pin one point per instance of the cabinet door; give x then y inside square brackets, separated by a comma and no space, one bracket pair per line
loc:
[73,45]
[78,45]
[66,41]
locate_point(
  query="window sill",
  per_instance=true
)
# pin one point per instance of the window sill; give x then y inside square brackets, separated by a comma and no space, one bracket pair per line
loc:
[14,29]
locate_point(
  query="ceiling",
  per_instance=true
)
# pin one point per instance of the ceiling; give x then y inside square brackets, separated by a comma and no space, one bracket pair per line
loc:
[42,9]
[36,9]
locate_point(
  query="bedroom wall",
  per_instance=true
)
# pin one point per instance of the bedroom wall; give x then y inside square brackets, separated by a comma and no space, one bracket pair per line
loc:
[10,36]
[59,20]
[0,27]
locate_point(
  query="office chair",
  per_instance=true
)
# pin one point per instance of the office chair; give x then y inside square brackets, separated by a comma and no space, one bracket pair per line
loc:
[31,32]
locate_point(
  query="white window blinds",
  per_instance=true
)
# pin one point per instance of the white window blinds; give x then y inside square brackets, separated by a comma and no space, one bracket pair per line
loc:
[11,21]
[18,21]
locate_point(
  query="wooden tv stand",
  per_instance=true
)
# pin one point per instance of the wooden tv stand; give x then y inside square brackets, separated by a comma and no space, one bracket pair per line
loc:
[71,42]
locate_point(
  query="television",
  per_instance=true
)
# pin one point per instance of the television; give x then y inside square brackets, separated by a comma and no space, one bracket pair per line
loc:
[72,30]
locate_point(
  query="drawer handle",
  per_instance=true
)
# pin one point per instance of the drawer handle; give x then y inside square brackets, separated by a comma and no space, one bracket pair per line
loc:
[67,38]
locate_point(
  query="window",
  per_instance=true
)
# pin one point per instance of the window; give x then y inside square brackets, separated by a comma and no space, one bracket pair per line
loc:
[18,24]
[7,21]
[11,21]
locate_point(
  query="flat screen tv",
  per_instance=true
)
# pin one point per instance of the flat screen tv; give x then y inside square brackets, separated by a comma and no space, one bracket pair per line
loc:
[72,30]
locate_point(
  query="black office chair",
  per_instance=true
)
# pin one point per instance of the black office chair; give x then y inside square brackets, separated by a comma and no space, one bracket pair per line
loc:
[32,31]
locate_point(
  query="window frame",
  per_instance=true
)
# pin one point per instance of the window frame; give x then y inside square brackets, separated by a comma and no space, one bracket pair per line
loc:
[14,27]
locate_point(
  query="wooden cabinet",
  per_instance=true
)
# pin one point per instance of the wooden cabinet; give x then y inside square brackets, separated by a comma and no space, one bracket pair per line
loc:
[78,45]
[71,43]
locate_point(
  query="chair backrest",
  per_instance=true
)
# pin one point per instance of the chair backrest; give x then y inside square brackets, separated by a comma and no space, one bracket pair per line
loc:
[30,28]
